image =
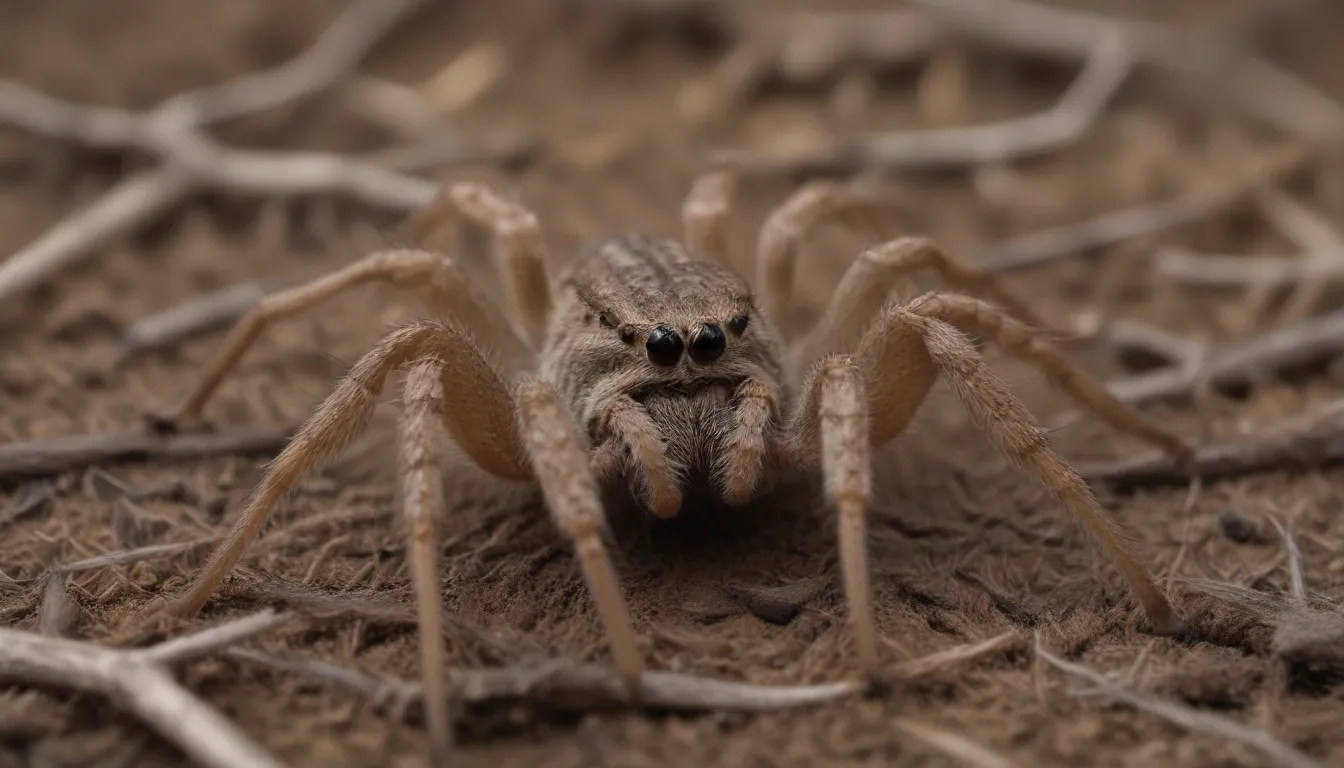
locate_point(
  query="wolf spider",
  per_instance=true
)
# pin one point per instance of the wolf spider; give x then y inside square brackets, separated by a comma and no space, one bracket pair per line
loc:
[657,371]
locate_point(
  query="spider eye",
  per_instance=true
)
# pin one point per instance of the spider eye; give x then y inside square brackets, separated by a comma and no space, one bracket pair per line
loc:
[628,334]
[664,346]
[739,324]
[707,344]
[607,318]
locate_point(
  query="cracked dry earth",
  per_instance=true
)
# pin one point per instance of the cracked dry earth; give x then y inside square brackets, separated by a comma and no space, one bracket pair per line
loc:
[964,547]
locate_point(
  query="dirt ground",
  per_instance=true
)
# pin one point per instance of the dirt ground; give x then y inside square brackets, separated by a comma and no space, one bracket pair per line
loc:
[964,546]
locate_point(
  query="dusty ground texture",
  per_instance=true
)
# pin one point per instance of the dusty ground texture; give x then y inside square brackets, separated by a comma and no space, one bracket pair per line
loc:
[965,547]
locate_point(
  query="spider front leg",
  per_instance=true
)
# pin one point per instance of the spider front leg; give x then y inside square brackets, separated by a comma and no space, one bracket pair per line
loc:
[453,383]
[706,211]
[851,403]
[520,250]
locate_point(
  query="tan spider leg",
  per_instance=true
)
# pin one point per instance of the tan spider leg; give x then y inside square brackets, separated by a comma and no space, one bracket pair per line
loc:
[485,430]
[423,502]
[779,238]
[434,278]
[867,285]
[745,451]
[836,413]
[900,358]
[705,213]
[634,427]
[562,469]
[519,246]
[974,316]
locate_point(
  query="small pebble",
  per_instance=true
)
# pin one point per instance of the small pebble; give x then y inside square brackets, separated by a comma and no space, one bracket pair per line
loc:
[1236,528]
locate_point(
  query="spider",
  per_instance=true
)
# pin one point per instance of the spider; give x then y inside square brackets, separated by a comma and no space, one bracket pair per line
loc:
[652,369]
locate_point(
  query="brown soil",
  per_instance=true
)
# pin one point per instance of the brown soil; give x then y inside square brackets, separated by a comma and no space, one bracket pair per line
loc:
[964,546]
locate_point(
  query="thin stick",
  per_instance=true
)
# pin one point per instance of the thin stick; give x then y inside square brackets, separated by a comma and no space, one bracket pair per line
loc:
[1322,248]
[1238,363]
[1173,349]
[955,746]
[191,160]
[1112,227]
[1272,94]
[137,682]
[1302,450]
[194,316]
[1184,716]
[1062,124]
[580,687]
[934,662]
[1217,270]
[131,556]
[131,202]
[214,639]
[51,456]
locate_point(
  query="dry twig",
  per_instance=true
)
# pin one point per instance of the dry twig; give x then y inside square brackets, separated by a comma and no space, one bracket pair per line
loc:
[190,160]
[804,47]
[1319,444]
[137,680]
[1240,362]
[51,456]
[1184,716]
[1317,268]
[577,687]
[1104,72]
[1129,336]
[1112,227]
[1272,94]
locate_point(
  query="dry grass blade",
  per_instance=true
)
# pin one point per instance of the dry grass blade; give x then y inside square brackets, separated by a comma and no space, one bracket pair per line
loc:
[934,662]
[50,456]
[1295,577]
[1184,716]
[131,556]
[138,682]
[958,747]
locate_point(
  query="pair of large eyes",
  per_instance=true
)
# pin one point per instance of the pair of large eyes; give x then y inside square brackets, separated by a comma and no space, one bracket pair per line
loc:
[665,346]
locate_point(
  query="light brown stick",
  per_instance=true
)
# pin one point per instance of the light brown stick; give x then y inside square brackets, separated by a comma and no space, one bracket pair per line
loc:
[137,680]
[52,456]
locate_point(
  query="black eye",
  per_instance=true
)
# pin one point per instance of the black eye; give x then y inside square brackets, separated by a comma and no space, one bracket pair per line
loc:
[628,334]
[607,318]
[739,324]
[664,346]
[707,344]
